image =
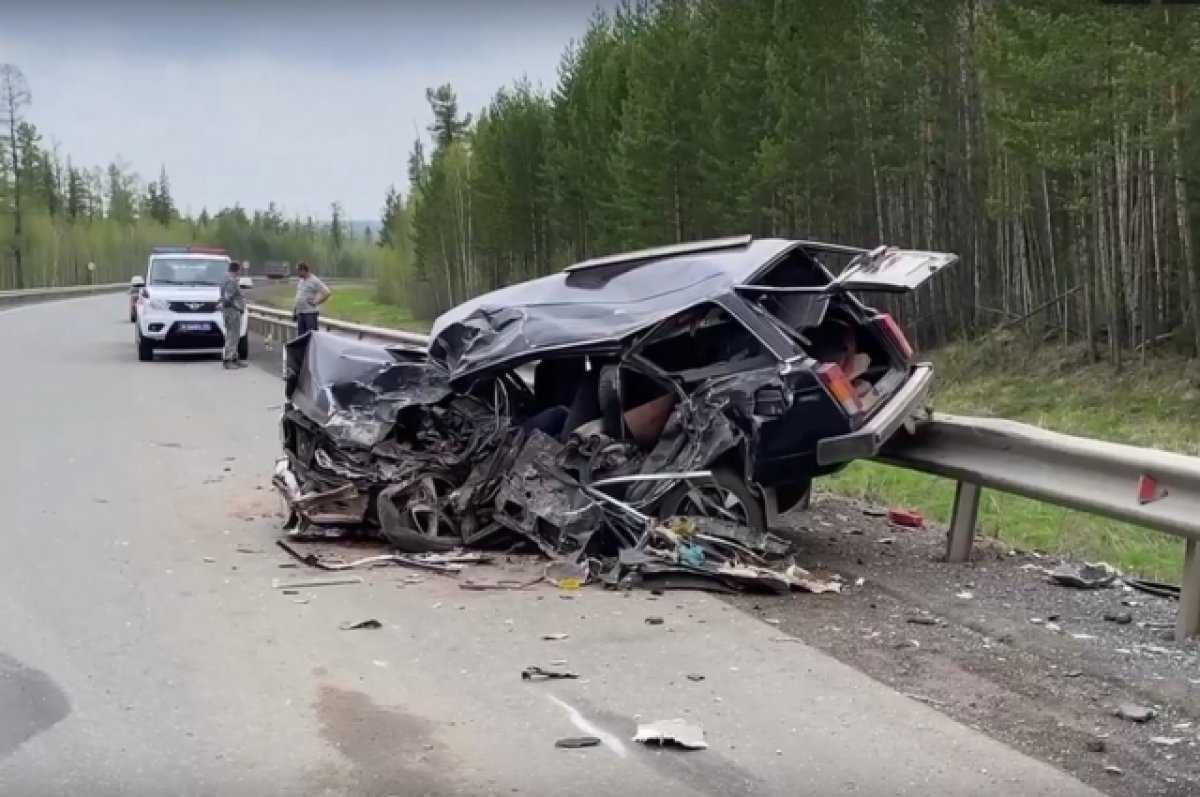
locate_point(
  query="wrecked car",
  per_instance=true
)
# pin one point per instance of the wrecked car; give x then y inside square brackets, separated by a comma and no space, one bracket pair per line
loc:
[712,379]
[747,352]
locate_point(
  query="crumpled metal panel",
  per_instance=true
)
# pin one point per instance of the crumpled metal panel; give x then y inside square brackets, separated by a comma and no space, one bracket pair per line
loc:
[590,308]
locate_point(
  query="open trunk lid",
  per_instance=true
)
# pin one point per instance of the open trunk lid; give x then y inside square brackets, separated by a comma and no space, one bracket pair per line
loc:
[887,269]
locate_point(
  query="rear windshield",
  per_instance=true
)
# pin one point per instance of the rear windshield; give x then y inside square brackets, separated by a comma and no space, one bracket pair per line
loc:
[188,270]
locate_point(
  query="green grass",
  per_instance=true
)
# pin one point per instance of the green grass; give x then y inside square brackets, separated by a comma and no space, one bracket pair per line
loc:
[354,303]
[1156,404]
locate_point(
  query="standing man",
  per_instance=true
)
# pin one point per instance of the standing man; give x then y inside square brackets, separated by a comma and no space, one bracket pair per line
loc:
[233,304]
[311,293]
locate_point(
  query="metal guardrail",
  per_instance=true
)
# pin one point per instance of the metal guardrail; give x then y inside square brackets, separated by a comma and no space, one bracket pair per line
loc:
[31,295]
[278,325]
[1091,476]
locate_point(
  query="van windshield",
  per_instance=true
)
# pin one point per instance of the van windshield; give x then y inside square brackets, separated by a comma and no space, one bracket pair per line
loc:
[188,270]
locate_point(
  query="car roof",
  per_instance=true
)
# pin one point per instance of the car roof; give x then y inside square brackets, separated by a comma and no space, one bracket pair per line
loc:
[597,301]
[663,282]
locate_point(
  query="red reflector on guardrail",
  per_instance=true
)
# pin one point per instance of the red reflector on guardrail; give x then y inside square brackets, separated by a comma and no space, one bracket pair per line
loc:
[1149,490]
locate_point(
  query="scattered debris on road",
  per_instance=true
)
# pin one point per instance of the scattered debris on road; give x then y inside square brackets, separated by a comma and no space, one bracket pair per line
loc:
[316,582]
[927,700]
[1135,713]
[555,637]
[1166,741]
[810,582]
[378,442]
[674,732]
[906,518]
[578,742]
[539,674]
[362,625]
[1084,576]
[655,621]
[499,585]
[437,563]
[1156,588]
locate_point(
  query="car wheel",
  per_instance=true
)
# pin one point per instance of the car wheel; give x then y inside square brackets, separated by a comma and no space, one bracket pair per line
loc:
[145,350]
[133,316]
[725,497]
[793,496]
[243,349]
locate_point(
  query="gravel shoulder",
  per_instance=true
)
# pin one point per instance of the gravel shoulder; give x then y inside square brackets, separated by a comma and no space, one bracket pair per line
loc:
[999,647]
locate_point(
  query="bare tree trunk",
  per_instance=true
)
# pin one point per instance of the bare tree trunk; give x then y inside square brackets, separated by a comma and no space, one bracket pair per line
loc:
[1183,220]
[1158,288]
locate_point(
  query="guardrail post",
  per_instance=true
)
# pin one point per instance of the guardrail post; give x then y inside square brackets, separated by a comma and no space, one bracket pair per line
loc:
[961,536]
[1187,623]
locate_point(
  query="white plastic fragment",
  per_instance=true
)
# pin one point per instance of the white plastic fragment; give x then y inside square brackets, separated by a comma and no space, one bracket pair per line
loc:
[676,731]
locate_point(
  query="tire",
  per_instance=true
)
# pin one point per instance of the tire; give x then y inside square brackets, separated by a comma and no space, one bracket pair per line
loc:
[728,484]
[793,496]
[243,349]
[145,350]
[133,316]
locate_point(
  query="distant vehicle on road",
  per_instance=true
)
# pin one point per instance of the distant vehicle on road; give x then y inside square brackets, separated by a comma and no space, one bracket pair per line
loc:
[176,307]
[277,270]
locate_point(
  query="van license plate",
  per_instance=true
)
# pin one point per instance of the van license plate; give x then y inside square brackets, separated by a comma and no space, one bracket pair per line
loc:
[194,327]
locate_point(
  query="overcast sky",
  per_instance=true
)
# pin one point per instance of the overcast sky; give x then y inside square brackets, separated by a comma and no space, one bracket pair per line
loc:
[302,103]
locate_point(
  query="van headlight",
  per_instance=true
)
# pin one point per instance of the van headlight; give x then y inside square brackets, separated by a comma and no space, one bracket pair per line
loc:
[158,304]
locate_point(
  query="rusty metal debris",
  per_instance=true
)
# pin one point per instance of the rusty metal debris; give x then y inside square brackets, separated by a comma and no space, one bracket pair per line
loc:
[378,443]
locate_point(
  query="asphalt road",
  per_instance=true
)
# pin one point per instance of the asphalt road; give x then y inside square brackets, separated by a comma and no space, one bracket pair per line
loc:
[142,653]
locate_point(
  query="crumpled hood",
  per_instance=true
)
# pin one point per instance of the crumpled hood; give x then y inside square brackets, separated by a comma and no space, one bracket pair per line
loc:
[354,389]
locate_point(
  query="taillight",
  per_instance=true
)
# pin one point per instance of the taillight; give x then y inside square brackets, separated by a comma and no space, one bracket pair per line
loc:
[896,335]
[835,381]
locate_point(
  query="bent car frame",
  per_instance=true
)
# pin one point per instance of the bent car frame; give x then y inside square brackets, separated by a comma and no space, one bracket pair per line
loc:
[713,378]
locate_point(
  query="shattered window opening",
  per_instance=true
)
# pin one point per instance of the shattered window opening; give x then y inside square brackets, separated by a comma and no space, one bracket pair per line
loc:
[703,340]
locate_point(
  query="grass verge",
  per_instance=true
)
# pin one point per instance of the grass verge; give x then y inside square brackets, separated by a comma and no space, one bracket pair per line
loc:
[354,303]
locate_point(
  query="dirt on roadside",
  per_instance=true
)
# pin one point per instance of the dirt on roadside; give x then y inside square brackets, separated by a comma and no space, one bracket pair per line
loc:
[998,646]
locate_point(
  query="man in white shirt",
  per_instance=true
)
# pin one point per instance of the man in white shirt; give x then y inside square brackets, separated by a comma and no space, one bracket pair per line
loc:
[311,293]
